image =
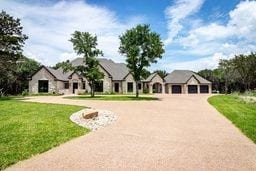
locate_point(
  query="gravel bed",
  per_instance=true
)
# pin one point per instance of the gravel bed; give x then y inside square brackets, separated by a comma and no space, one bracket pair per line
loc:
[103,119]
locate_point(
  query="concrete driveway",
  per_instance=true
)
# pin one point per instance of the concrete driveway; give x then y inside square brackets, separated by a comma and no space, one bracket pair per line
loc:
[180,132]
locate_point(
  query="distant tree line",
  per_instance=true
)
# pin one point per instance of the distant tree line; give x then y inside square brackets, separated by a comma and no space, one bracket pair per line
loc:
[236,74]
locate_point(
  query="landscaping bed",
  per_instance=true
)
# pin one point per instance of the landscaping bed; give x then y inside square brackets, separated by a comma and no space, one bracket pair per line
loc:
[27,129]
[241,113]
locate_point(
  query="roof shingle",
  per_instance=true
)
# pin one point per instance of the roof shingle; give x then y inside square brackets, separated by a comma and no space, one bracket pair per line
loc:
[118,71]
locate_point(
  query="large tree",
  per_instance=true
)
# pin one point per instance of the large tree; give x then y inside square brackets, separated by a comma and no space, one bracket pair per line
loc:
[11,42]
[161,73]
[65,66]
[142,47]
[25,68]
[85,45]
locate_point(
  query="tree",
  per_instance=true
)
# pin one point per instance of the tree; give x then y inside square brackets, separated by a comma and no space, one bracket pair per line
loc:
[86,45]
[25,68]
[11,42]
[241,65]
[65,66]
[228,71]
[141,47]
[161,73]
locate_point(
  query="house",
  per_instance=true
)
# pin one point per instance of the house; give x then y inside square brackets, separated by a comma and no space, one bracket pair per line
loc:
[116,79]
[186,82]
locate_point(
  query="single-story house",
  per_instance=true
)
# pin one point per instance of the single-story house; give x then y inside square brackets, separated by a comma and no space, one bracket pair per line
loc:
[186,82]
[117,78]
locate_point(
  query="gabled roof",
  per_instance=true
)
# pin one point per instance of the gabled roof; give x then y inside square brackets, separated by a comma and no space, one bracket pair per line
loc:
[58,74]
[150,77]
[183,76]
[118,71]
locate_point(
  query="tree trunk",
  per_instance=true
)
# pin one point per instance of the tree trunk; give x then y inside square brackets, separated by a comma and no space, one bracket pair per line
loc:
[137,90]
[92,89]
[226,87]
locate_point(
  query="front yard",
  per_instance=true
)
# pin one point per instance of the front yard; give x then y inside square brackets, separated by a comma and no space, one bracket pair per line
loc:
[113,98]
[240,112]
[27,129]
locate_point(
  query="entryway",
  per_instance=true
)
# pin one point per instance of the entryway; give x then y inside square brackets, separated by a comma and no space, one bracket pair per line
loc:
[157,88]
[117,87]
[75,86]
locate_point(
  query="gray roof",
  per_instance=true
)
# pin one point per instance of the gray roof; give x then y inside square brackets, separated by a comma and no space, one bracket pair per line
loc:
[118,71]
[58,74]
[182,77]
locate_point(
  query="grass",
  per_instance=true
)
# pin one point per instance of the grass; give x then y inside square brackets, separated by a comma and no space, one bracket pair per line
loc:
[27,129]
[113,98]
[239,112]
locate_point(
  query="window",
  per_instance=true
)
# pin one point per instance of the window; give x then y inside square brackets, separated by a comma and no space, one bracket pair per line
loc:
[84,85]
[130,87]
[139,86]
[66,85]
[43,86]
[98,86]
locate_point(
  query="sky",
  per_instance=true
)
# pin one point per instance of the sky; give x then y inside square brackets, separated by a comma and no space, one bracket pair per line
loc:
[196,33]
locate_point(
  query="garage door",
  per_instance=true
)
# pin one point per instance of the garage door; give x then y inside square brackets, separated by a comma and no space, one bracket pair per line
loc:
[204,89]
[176,89]
[192,88]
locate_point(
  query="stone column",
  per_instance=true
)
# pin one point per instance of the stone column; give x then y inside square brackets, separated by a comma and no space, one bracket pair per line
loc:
[163,88]
[150,88]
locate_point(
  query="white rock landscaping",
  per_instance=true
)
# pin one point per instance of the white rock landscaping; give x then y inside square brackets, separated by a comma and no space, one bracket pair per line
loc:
[103,119]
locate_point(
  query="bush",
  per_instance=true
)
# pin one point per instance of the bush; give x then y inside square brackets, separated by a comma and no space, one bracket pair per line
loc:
[25,92]
[146,91]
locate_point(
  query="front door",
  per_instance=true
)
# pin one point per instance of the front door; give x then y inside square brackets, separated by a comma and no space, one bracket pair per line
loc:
[117,87]
[75,86]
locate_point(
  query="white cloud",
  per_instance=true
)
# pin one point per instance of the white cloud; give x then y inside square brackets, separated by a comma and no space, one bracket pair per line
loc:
[49,27]
[196,65]
[237,36]
[177,13]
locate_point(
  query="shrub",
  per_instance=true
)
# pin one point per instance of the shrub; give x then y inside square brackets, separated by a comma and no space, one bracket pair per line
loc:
[25,92]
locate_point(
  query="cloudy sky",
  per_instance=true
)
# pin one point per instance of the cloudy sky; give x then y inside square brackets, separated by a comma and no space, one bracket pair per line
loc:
[196,33]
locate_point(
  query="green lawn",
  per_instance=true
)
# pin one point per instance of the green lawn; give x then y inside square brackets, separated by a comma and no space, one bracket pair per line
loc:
[27,129]
[112,98]
[242,114]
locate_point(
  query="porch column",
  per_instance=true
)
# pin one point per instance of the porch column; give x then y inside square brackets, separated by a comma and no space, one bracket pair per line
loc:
[150,88]
[163,88]
[198,89]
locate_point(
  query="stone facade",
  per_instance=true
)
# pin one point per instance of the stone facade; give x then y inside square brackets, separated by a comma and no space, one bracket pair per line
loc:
[184,87]
[43,74]
[72,83]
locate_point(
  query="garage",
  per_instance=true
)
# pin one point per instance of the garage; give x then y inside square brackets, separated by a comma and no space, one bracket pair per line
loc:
[192,89]
[176,89]
[204,89]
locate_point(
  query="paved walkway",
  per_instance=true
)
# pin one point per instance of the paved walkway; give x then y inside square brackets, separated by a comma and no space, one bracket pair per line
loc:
[180,132]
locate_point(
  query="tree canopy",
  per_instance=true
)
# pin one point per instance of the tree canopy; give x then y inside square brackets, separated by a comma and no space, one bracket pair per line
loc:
[85,45]
[65,66]
[141,47]
[11,43]
[236,74]
[161,73]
